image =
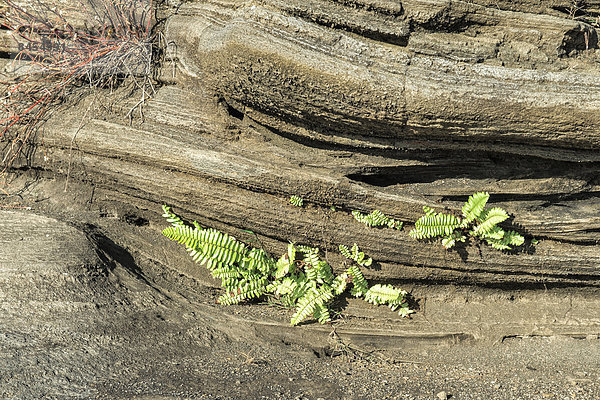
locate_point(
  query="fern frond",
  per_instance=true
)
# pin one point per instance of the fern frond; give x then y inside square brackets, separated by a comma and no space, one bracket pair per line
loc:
[474,206]
[362,218]
[171,217]
[297,201]
[345,251]
[508,239]
[513,238]
[313,299]
[356,255]
[339,284]
[226,272]
[495,233]
[231,284]
[311,272]
[285,287]
[384,294]
[312,259]
[283,267]
[489,219]
[359,257]
[359,283]
[429,211]
[322,314]
[247,290]
[258,260]
[208,246]
[324,273]
[387,294]
[188,236]
[303,285]
[306,249]
[221,247]
[376,219]
[316,269]
[435,225]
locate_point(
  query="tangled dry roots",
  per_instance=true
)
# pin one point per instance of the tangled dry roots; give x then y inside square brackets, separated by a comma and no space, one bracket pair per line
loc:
[56,50]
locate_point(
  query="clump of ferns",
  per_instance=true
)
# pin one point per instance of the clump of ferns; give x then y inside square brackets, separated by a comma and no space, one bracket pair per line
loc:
[58,50]
[377,219]
[477,220]
[300,278]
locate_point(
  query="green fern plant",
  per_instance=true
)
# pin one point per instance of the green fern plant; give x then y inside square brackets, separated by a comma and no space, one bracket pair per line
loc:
[297,201]
[377,219]
[477,220]
[299,278]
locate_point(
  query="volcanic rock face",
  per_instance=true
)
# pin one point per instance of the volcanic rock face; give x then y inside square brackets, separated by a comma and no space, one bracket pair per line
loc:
[360,105]
[351,105]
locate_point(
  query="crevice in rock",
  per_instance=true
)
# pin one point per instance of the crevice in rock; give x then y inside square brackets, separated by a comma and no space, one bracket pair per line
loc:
[578,40]
[395,10]
[575,12]
[494,166]
[550,199]
[501,280]
[231,110]
[361,30]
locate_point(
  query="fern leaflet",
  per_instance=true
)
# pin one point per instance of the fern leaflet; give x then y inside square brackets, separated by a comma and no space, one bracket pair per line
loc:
[435,225]
[510,238]
[429,211]
[450,240]
[283,267]
[489,219]
[339,284]
[322,314]
[474,206]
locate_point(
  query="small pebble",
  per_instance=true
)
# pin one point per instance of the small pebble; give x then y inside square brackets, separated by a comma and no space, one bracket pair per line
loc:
[442,395]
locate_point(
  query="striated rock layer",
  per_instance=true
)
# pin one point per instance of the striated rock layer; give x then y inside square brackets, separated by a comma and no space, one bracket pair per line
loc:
[364,104]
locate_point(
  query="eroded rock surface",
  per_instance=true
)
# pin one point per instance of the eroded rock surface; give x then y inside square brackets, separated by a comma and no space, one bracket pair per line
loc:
[357,105]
